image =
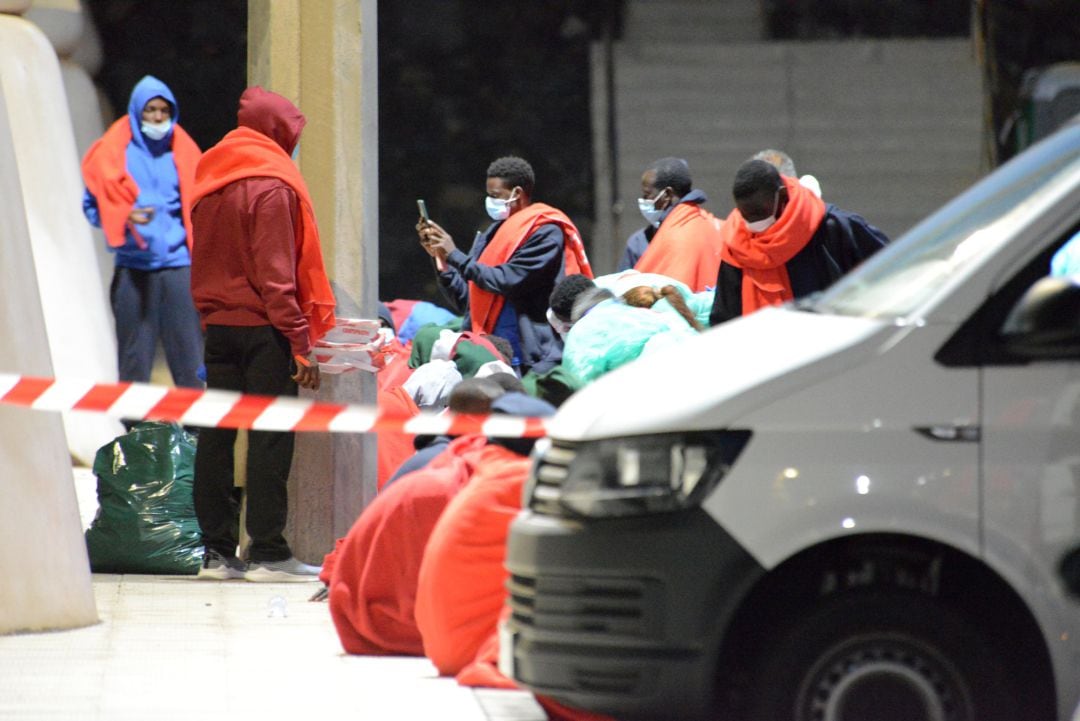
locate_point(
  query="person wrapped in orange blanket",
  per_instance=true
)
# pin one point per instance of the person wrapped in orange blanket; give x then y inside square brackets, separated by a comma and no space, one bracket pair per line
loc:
[682,240]
[461,589]
[372,572]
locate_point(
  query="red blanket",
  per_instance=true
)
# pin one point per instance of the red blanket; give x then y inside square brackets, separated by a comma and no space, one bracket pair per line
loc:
[374,568]
[394,447]
[686,247]
[462,581]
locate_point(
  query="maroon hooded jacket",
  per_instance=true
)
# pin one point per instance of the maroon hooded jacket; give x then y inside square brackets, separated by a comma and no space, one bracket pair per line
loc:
[243,267]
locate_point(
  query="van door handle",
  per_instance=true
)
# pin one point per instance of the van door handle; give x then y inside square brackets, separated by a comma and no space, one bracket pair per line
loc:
[951,432]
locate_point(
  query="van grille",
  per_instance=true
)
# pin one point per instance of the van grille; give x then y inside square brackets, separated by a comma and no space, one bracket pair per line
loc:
[628,607]
[548,475]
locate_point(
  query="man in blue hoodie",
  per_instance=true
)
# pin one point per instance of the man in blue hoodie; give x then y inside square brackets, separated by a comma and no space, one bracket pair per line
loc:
[138,179]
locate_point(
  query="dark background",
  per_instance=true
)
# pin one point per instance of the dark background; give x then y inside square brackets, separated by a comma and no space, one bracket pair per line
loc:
[462,82]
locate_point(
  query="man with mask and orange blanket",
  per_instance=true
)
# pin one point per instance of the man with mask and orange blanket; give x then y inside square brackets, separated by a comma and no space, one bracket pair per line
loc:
[782,242]
[259,284]
[139,177]
[502,285]
[682,240]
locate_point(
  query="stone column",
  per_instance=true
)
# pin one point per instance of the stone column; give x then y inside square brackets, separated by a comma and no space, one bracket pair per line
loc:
[323,57]
[43,563]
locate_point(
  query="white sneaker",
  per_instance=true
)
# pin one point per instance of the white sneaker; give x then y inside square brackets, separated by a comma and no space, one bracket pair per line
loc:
[290,570]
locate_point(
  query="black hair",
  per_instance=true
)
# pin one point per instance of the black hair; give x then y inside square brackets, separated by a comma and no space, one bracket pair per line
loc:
[474,395]
[503,346]
[509,382]
[674,172]
[586,300]
[754,177]
[566,292]
[514,171]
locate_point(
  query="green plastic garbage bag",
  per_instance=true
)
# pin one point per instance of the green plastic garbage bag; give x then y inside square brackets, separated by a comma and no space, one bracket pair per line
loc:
[146,518]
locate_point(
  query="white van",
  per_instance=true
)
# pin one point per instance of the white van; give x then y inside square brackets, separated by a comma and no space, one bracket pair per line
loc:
[851,507]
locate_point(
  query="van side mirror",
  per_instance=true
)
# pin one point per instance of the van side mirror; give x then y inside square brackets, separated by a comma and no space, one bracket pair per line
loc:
[1045,323]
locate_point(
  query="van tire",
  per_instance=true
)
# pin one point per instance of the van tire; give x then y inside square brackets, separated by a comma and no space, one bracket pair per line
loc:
[887,656]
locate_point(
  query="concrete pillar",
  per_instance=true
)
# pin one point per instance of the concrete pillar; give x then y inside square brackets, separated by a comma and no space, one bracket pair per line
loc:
[323,57]
[46,574]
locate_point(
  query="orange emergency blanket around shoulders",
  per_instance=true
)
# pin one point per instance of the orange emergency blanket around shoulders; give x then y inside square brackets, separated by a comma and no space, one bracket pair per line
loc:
[246,153]
[104,170]
[375,567]
[394,447]
[485,306]
[686,247]
[461,587]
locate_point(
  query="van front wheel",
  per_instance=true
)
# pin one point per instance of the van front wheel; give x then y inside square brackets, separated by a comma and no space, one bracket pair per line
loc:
[882,656]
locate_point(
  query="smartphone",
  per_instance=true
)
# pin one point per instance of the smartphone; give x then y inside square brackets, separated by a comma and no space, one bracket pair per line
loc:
[422,207]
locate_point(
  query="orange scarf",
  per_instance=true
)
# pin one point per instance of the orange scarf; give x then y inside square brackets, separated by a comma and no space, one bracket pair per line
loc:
[246,153]
[104,170]
[485,306]
[686,247]
[762,255]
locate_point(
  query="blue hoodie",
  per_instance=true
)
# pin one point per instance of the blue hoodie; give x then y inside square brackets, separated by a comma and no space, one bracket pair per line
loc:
[150,164]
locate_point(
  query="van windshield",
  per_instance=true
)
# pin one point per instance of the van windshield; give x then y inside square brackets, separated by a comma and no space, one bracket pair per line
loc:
[949,244]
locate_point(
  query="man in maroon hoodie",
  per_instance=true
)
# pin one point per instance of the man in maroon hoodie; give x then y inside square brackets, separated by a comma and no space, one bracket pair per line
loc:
[259,285]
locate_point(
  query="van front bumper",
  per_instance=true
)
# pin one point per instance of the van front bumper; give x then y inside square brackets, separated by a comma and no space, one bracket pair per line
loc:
[623,616]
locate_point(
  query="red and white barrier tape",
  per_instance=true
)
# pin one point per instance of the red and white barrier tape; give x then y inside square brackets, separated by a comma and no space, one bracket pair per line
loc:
[227,409]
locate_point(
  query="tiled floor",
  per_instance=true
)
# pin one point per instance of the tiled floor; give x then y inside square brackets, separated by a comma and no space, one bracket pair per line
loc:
[176,648]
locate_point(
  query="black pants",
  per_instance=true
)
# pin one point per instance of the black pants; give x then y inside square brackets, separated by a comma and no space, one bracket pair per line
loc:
[153,304]
[251,360]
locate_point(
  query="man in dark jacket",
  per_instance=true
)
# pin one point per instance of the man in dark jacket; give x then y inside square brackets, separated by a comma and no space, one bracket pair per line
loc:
[259,284]
[682,239]
[502,285]
[782,242]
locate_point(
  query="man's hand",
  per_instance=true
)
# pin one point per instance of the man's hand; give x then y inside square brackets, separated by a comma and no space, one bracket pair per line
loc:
[307,371]
[436,241]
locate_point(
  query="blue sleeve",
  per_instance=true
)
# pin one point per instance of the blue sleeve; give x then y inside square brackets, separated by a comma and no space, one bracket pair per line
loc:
[90,209]
[856,240]
[534,265]
[636,245]
[455,289]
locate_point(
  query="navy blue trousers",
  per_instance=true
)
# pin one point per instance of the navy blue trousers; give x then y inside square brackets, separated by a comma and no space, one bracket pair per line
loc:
[149,305]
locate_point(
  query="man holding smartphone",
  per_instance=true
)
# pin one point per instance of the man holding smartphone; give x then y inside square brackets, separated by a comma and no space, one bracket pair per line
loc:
[138,191]
[502,284]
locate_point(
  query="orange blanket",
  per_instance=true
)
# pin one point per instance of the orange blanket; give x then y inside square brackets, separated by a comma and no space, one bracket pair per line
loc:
[104,170]
[485,306]
[247,153]
[375,567]
[762,256]
[686,247]
[394,447]
[461,588]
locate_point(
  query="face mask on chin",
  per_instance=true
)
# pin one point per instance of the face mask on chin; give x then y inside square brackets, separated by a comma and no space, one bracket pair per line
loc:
[760,226]
[156,131]
[498,208]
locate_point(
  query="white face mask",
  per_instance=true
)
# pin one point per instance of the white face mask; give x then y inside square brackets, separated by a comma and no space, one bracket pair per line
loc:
[760,226]
[156,131]
[647,206]
[497,208]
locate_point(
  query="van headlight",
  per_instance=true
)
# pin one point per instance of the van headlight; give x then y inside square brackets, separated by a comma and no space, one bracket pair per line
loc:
[634,475]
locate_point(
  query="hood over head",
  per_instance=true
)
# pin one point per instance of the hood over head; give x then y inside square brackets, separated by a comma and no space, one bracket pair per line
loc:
[144,91]
[272,115]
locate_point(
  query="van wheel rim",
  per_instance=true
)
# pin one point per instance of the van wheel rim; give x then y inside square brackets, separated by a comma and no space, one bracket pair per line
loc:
[881,680]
